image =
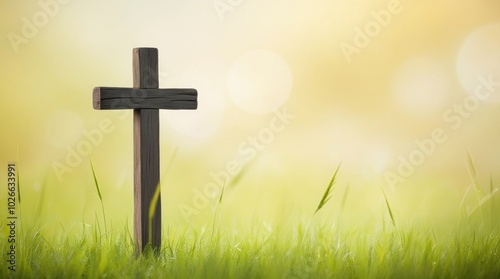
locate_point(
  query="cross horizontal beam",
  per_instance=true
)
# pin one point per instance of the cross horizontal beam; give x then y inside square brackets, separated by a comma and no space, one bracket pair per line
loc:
[105,98]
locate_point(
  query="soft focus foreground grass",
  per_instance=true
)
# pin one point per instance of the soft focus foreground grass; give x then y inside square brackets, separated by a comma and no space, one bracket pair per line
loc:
[360,232]
[265,252]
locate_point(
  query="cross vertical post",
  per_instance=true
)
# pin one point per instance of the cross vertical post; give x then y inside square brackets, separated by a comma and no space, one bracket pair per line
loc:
[146,153]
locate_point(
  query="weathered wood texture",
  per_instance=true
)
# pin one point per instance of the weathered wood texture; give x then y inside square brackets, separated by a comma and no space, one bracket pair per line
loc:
[146,153]
[146,100]
[136,98]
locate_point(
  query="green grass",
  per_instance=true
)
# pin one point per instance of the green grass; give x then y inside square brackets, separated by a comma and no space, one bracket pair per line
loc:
[328,192]
[294,245]
[409,253]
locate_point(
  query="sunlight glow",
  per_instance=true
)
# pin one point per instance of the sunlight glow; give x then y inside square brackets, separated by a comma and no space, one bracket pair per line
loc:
[259,82]
[63,128]
[421,86]
[480,57]
[359,151]
[205,75]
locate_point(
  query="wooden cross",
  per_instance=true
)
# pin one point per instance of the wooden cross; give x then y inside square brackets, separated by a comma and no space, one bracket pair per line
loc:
[145,98]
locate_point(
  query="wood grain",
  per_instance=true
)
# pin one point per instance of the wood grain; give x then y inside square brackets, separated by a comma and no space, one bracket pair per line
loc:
[146,177]
[145,67]
[146,153]
[106,98]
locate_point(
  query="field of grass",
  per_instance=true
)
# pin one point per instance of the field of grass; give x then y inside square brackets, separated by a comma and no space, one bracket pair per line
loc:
[326,252]
[325,244]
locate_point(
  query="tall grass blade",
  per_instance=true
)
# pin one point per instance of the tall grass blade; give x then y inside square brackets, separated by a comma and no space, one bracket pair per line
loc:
[475,182]
[95,180]
[481,202]
[473,176]
[237,178]
[324,199]
[216,207]
[327,195]
[97,229]
[388,208]
[222,192]
[462,204]
[99,194]
[130,237]
[18,178]
[152,211]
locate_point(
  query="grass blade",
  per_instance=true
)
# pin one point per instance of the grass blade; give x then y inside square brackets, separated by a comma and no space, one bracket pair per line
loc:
[475,182]
[216,207]
[18,178]
[473,176]
[327,195]
[462,204]
[222,193]
[388,207]
[481,203]
[99,194]
[237,178]
[95,180]
[152,211]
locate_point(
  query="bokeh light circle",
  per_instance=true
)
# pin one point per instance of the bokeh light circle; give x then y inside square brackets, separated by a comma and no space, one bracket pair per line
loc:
[479,56]
[259,82]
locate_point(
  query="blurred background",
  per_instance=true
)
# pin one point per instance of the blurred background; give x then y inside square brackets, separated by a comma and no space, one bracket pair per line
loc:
[398,91]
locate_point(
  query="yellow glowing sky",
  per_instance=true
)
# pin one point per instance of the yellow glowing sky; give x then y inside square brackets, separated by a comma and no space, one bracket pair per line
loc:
[248,59]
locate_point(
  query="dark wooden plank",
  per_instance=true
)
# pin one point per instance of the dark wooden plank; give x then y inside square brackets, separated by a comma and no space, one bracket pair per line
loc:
[105,98]
[146,153]
[146,177]
[145,66]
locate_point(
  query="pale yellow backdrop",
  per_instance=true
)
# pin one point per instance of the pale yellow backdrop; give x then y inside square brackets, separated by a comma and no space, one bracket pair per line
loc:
[398,91]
